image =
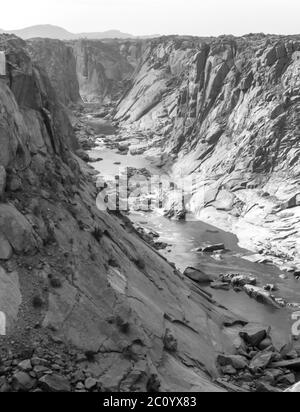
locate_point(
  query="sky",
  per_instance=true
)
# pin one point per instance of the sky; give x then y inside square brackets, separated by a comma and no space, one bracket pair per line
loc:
[142,17]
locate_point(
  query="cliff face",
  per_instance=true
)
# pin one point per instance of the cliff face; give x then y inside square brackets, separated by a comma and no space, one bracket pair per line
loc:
[58,61]
[103,66]
[228,108]
[78,285]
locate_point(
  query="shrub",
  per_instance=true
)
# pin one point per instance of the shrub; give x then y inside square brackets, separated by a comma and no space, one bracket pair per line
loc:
[90,356]
[113,263]
[97,233]
[55,283]
[37,301]
[140,263]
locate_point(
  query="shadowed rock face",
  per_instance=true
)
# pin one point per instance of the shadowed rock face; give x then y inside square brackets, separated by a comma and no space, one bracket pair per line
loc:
[229,109]
[58,61]
[104,66]
[81,284]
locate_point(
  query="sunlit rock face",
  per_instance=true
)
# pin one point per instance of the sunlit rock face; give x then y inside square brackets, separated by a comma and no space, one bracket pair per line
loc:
[229,109]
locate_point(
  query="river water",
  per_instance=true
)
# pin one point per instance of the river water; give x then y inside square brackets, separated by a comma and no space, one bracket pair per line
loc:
[184,237]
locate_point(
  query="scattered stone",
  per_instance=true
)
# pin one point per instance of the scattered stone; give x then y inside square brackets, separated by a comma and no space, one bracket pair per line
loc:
[264,387]
[265,344]
[228,370]
[90,383]
[253,334]
[261,295]
[271,288]
[236,361]
[54,383]
[220,286]
[211,248]
[260,361]
[25,365]
[197,275]
[237,280]
[23,382]
[288,379]
[170,342]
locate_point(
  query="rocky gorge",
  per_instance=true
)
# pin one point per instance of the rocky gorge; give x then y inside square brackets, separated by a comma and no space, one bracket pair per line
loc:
[90,303]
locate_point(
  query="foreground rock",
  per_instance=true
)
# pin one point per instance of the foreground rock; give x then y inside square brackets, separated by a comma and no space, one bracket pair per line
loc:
[259,364]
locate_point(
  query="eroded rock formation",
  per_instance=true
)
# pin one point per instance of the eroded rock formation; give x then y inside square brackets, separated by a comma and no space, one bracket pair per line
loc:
[228,108]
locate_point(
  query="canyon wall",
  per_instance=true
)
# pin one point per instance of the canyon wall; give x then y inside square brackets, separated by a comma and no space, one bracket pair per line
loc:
[228,109]
[103,67]
[58,61]
[79,287]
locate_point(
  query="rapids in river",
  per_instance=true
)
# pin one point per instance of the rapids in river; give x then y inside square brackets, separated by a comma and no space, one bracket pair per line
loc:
[185,237]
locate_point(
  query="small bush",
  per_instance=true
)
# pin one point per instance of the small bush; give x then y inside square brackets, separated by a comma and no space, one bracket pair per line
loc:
[140,263]
[90,356]
[122,324]
[37,301]
[97,233]
[55,283]
[113,263]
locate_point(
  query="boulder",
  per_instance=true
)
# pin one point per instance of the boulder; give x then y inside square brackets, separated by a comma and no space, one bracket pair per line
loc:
[260,361]
[54,383]
[23,382]
[197,275]
[90,383]
[288,379]
[254,333]
[220,286]
[25,365]
[265,344]
[228,370]
[170,342]
[212,248]
[265,387]
[16,229]
[236,361]
[261,295]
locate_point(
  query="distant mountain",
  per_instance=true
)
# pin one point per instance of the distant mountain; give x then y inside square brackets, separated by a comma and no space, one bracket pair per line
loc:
[56,32]
[48,31]
[109,34]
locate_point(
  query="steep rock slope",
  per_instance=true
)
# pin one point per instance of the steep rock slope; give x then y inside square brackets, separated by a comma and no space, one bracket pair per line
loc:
[228,108]
[78,285]
[58,61]
[103,66]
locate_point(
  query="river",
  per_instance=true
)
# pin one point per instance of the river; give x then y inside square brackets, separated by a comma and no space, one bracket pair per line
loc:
[185,237]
